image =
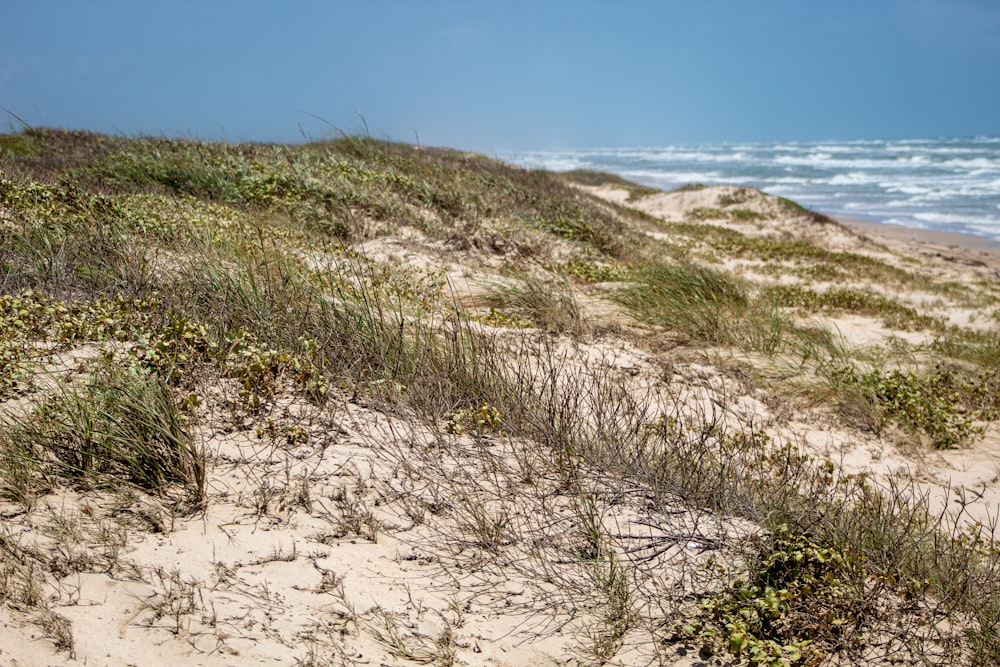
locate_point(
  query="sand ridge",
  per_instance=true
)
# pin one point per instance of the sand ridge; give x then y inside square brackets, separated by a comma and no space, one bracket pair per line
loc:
[349,533]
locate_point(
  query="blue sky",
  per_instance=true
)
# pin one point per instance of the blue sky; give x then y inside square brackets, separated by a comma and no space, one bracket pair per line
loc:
[500,75]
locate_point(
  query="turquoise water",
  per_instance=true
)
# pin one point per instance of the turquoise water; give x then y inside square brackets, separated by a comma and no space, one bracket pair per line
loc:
[941,184]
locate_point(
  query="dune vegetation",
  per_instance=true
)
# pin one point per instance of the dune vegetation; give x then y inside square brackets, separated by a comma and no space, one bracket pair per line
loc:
[356,401]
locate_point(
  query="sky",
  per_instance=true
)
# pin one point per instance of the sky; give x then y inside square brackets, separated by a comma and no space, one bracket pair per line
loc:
[493,76]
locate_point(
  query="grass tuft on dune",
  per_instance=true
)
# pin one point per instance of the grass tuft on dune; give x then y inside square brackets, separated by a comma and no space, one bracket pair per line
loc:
[602,364]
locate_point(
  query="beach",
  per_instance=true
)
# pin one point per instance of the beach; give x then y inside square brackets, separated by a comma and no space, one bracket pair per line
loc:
[967,247]
[357,402]
[944,184]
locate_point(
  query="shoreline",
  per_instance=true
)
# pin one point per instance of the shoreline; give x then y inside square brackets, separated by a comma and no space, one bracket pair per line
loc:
[951,246]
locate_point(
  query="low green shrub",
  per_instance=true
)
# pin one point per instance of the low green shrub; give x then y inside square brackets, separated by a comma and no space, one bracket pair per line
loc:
[596,272]
[943,404]
[797,601]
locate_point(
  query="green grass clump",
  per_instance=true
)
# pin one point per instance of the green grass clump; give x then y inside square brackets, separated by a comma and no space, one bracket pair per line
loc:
[769,249]
[706,213]
[690,187]
[67,240]
[738,196]
[49,153]
[550,306]
[693,300]
[981,348]
[194,169]
[708,233]
[809,260]
[744,214]
[21,144]
[795,208]
[595,178]
[704,306]
[737,214]
[853,300]
[123,426]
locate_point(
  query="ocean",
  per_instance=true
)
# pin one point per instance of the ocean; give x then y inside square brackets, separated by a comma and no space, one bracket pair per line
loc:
[948,185]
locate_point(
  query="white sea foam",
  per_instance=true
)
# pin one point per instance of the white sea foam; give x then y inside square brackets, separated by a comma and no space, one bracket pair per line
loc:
[853,178]
[907,222]
[979,163]
[827,161]
[790,180]
[936,219]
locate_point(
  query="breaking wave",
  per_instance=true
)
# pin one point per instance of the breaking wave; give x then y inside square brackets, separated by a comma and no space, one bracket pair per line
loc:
[943,184]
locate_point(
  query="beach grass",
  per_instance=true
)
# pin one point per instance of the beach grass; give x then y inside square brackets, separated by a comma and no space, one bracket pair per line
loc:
[142,279]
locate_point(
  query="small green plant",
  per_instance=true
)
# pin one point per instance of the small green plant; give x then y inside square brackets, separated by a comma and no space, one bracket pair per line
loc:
[175,350]
[482,419]
[291,434]
[796,603]
[262,372]
[943,404]
[499,318]
[596,272]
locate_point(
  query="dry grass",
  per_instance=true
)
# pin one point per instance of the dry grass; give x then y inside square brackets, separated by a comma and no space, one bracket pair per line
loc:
[623,505]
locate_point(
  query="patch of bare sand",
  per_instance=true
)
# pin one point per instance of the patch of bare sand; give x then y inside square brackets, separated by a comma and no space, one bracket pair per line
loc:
[353,534]
[349,535]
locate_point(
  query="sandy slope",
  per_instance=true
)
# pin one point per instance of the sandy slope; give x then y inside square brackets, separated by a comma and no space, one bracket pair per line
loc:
[353,535]
[363,545]
[946,257]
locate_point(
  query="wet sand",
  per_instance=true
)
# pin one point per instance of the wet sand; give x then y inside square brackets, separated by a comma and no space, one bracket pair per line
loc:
[961,248]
